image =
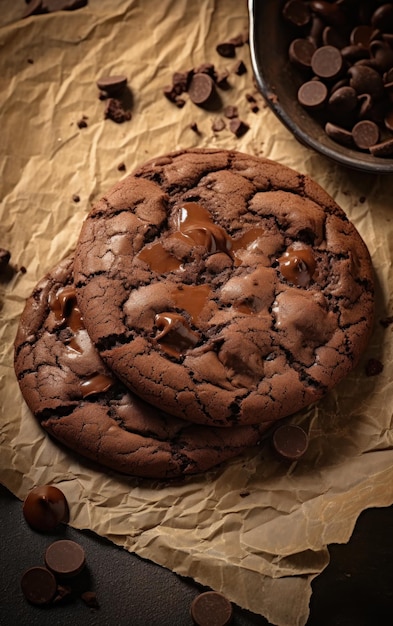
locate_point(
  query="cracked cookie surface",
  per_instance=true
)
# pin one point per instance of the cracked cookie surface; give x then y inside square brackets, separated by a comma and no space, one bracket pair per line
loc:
[81,403]
[223,288]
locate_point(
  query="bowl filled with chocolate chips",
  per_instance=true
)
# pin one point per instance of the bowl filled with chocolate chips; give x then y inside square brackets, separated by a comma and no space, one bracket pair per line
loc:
[325,67]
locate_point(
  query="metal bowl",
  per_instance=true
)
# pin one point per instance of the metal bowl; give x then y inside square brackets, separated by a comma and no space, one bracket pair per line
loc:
[278,81]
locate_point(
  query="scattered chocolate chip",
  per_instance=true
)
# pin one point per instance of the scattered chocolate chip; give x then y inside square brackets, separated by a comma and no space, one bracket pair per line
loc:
[121,167]
[201,89]
[116,112]
[231,111]
[194,127]
[221,79]
[45,507]
[30,60]
[373,367]
[75,197]
[239,68]
[290,441]
[5,256]
[339,134]
[250,98]
[38,585]
[180,102]
[90,599]
[22,269]
[211,609]
[226,49]
[238,127]
[65,558]
[255,108]
[112,84]
[327,62]
[218,124]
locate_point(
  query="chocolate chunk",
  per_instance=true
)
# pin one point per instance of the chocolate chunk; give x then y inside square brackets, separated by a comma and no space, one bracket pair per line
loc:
[365,134]
[327,62]
[290,441]
[211,609]
[238,127]
[38,585]
[121,167]
[194,127]
[201,89]
[82,123]
[45,507]
[116,111]
[65,558]
[312,94]
[5,256]
[226,49]
[297,12]
[221,79]
[373,367]
[112,84]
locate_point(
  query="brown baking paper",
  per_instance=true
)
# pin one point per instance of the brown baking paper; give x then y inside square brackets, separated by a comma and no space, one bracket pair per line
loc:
[255,529]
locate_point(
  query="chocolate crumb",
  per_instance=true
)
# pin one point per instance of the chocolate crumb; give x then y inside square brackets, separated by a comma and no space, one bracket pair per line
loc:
[226,49]
[250,98]
[194,127]
[75,197]
[90,599]
[238,40]
[386,321]
[373,367]
[238,127]
[103,95]
[231,111]
[244,493]
[62,593]
[180,102]
[5,256]
[362,199]
[82,123]
[31,61]
[239,68]
[218,125]
[22,269]
[222,79]
[115,111]
[121,167]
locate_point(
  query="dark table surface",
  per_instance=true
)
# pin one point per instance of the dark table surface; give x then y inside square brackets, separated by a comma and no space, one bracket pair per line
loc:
[356,589]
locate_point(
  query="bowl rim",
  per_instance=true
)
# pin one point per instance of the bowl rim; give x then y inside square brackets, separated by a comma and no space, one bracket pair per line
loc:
[381,167]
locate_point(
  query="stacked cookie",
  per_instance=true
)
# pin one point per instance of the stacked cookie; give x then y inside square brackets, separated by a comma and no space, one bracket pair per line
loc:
[211,294]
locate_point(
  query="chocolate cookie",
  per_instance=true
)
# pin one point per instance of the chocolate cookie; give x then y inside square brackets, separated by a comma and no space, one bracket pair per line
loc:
[223,288]
[82,404]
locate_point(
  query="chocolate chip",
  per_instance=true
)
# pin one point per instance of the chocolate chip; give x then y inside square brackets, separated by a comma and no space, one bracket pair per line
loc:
[226,49]
[327,62]
[301,51]
[75,197]
[290,441]
[211,609]
[365,134]
[343,100]
[297,12]
[38,585]
[121,167]
[238,127]
[112,84]
[330,13]
[201,88]
[373,367]
[383,149]
[339,134]
[312,94]
[65,558]
[366,80]
[382,18]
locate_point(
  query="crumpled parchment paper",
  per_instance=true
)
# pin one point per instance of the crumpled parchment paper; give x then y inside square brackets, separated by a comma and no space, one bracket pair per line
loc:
[255,529]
